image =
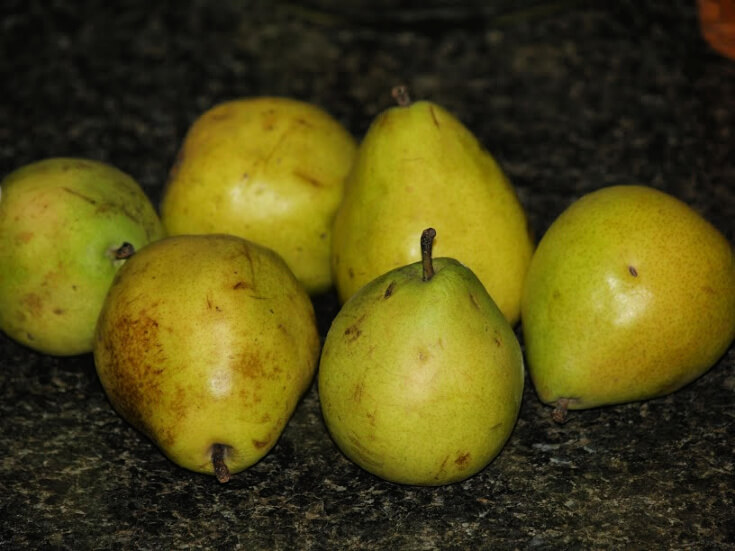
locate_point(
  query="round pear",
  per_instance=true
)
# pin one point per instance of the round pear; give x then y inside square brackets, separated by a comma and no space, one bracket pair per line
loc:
[421,376]
[630,295]
[205,343]
[267,169]
[66,227]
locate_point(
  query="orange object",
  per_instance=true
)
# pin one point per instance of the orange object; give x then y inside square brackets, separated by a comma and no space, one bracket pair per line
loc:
[717,21]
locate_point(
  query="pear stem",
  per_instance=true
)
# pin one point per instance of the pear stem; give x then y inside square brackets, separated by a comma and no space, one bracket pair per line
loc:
[559,415]
[126,250]
[427,239]
[218,461]
[400,94]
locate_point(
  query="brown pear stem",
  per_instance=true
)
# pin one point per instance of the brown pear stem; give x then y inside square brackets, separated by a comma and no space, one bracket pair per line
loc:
[427,239]
[400,94]
[559,415]
[126,250]
[218,461]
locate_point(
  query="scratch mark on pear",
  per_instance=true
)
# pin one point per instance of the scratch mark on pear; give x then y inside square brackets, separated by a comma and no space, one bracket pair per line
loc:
[80,195]
[363,453]
[276,146]
[311,180]
[442,468]
[357,392]
[433,116]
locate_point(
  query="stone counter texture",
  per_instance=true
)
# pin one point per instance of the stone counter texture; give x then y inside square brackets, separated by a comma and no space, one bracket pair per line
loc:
[569,96]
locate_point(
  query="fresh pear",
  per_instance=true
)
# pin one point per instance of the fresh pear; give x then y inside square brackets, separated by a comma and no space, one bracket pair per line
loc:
[419,166]
[66,226]
[268,169]
[205,343]
[421,376]
[630,295]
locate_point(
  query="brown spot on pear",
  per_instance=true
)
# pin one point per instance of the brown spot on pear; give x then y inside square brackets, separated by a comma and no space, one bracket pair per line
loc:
[463,460]
[208,388]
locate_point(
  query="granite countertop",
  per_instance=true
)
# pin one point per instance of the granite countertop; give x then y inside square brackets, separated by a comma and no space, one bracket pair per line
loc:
[569,96]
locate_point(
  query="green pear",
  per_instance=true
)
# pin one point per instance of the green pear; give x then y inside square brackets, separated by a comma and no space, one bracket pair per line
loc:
[268,169]
[630,295]
[421,376]
[205,343]
[419,166]
[66,226]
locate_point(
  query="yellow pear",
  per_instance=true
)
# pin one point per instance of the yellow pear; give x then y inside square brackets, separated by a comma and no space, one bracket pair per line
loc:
[205,343]
[419,166]
[268,169]
[630,295]
[421,376]
[66,226]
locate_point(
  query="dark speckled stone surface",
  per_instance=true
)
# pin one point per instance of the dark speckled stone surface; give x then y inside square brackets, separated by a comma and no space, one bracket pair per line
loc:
[569,96]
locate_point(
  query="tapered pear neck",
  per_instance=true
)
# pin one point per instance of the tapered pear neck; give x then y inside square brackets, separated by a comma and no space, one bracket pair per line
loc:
[401,95]
[427,241]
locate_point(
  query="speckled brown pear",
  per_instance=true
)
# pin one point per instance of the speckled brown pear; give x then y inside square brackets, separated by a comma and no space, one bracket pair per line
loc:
[268,169]
[421,376]
[629,296]
[66,227]
[205,344]
[419,166]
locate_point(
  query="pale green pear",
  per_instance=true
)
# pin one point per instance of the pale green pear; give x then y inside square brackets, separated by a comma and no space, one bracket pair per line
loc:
[66,226]
[205,344]
[421,376]
[419,166]
[268,169]
[630,295]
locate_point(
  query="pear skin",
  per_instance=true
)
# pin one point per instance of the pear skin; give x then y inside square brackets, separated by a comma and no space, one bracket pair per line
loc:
[629,296]
[205,344]
[418,166]
[66,226]
[421,377]
[268,169]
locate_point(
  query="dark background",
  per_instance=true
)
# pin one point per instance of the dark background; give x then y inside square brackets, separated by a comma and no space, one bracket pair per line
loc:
[569,96]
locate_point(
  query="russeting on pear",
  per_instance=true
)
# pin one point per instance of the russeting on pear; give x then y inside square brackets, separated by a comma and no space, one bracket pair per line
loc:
[205,344]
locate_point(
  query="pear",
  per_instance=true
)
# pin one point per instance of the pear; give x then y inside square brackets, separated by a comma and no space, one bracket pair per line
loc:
[66,226]
[268,169]
[205,343]
[630,295]
[419,166]
[421,376]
